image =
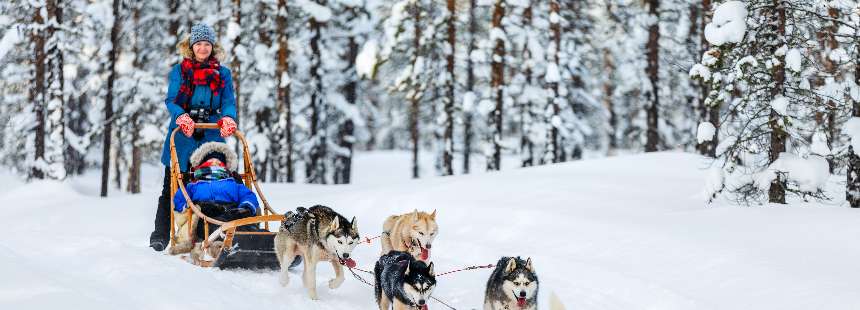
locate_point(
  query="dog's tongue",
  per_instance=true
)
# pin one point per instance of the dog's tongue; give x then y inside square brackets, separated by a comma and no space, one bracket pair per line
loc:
[424,307]
[425,253]
[521,302]
[349,263]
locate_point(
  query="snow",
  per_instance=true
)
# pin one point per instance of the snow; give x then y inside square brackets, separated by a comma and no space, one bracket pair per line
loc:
[810,174]
[318,12]
[793,60]
[780,105]
[839,55]
[233,30]
[7,43]
[469,102]
[819,145]
[708,58]
[366,59]
[705,132]
[728,24]
[552,74]
[698,70]
[626,232]
[852,130]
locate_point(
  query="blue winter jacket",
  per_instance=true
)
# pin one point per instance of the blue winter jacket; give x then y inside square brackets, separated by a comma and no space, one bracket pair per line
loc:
[219,191]
[225,102]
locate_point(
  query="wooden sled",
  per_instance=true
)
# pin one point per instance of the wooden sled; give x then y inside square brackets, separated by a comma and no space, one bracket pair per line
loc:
[253,250]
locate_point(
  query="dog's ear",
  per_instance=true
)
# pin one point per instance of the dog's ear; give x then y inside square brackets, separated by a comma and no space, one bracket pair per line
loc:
[415,215]
[433,215]
[334,225]
[529,265]
[430,270]
[354,224]
[512,264]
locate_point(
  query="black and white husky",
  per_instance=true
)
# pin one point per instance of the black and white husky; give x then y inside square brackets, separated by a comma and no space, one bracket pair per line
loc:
[403,281]
[513,285]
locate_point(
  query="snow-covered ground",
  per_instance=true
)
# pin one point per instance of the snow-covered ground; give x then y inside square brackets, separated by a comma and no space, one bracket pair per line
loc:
[629,232]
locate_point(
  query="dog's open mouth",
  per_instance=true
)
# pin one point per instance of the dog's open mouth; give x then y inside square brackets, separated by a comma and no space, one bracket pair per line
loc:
[423,307]
[349,263]
[521,302]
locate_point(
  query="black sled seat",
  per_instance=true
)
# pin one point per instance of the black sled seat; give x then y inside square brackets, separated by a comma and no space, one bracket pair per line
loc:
[251,252]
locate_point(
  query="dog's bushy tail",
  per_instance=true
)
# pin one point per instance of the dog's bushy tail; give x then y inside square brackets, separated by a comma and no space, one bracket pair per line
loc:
[554,302]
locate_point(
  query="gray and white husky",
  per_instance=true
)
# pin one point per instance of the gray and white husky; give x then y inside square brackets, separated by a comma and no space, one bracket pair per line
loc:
[403,281]
[512,285]
[316,234]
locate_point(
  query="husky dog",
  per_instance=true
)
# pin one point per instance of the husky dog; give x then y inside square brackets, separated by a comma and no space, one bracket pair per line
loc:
[512,285]
[316,234]
[412,232]
[403,281]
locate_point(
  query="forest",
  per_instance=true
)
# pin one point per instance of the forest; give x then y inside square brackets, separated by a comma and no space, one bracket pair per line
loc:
[766,90]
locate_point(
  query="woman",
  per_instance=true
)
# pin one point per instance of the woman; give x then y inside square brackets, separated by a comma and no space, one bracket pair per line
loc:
[199,90]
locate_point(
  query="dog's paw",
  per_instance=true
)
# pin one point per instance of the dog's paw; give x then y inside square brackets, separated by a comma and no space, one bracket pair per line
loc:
[284,279]
[312,293]
[335,283]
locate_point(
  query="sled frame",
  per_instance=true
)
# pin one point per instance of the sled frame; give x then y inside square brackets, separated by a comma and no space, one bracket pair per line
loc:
[226,229]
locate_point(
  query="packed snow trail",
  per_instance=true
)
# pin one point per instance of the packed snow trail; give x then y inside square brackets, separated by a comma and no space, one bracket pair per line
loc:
[629,232]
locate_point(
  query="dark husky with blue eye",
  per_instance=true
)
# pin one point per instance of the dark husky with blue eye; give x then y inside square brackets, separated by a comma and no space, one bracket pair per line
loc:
[403,281]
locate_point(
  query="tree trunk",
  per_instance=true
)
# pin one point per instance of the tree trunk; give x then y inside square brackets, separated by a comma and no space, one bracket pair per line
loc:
[710,112]
[111,79]
[173,26]
[56,102]
[285,105]
[415,98]
[526,143]
[37,93]
[778,136]
[470,86]
[343,162]
[831,69]
[555,145]
[653,70]
[852,188]
[315,170]
[448,136]
[236,64]
[133,184]
[497,86]
[608,91]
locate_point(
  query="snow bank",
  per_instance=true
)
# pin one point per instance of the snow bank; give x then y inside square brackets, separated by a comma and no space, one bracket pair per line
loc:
[728,24]
[810,174]
[627,232]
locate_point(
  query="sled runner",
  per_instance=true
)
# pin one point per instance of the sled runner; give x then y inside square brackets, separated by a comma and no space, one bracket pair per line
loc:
[245,245]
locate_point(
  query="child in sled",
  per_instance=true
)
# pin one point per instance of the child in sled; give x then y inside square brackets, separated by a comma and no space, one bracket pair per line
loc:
[214,190]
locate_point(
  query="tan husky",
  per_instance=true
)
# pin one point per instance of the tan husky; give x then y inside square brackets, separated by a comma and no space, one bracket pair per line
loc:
[412,232]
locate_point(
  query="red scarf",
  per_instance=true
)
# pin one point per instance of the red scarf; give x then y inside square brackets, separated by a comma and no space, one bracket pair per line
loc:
[198,73]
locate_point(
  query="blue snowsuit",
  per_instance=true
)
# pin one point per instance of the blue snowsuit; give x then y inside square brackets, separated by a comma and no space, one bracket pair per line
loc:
[224,191]
[225,102]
